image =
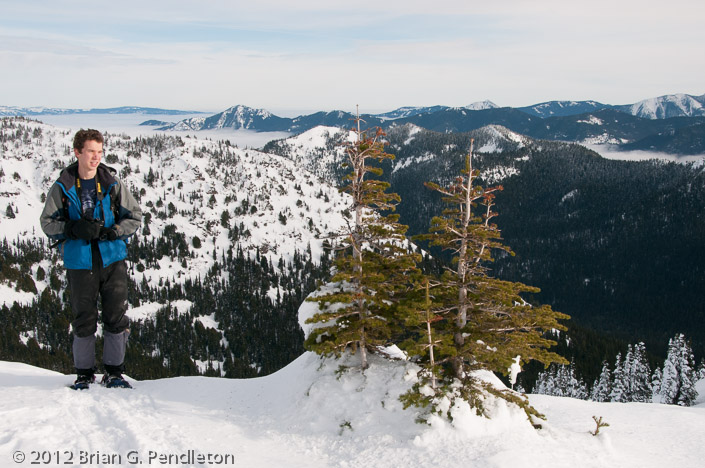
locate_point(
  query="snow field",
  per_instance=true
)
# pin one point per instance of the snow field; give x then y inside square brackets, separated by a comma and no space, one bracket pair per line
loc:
[315,413]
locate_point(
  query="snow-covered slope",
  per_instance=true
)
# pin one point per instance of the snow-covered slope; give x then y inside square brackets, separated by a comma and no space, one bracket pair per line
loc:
[204,203]
[495,138]
[314,413]
[319,151]
[189,183]
[672,105]
[562,108]
[482,105]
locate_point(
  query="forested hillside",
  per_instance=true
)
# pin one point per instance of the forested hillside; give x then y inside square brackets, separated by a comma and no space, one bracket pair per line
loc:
[617,245]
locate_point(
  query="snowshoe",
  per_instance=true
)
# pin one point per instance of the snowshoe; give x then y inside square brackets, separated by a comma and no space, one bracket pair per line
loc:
[83,382]
[115,381]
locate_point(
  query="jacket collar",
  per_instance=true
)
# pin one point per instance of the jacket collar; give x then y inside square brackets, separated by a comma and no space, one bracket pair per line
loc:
[105,175]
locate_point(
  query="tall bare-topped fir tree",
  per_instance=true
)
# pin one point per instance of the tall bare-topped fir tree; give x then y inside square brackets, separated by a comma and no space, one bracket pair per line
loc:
[491,323]
[374,264]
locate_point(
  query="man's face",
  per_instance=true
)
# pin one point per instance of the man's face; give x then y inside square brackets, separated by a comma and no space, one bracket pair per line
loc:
[89,157]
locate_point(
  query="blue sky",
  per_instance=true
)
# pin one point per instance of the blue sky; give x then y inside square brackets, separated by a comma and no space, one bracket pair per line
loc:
[295,57]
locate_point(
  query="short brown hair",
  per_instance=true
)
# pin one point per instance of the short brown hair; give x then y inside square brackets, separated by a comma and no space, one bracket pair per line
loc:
[82,136]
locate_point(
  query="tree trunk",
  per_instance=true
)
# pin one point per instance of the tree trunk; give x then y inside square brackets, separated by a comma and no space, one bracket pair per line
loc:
[430,336]
[462,317]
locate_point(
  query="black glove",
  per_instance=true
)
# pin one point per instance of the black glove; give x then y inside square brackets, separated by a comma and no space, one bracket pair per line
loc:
[108,234]
[86,229]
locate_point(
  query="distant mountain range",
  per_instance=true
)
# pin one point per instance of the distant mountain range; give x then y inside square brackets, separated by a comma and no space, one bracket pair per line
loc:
[662,107]
[671,123]
[239,116]
[563,108]
[10,111]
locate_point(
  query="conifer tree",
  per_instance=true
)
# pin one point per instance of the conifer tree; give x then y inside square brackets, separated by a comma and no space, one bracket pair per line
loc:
[492,323]
[618,392]
[639,375]
[476,321]
[632,378]
[374,262]
[603,384]
[679,374]
[576,386]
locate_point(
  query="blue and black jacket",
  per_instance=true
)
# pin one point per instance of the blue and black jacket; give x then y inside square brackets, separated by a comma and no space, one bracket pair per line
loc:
[115,206]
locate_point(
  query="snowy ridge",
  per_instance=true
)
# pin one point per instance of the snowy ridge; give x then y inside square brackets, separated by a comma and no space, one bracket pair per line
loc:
[194,123]
[672,105]
[314,413]
[494,139]
[11,111]
[410,111]
[235,117]
[482,105]
[318,137]
[562,108]
[592,120]
[319,150]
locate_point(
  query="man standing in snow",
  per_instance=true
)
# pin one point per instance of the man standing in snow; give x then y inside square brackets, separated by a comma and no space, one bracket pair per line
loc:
[91,214]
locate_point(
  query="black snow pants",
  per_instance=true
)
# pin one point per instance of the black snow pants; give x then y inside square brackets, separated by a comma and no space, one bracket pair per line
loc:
[110,283]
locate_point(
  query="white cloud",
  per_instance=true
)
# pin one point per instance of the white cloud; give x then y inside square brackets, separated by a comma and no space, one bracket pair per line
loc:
[324,54]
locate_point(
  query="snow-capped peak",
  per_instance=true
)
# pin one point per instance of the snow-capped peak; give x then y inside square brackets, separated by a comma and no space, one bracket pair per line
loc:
[246,112]
[482,105]
[671,105]
[236,117]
